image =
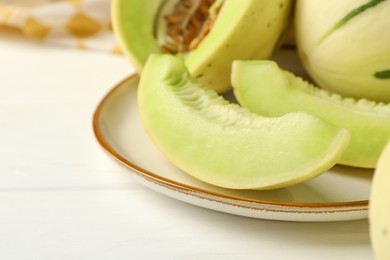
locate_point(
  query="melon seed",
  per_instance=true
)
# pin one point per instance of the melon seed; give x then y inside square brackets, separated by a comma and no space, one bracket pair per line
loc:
[187,25]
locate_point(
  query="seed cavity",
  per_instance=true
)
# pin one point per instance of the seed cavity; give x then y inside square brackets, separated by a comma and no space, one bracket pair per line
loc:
[188,24]
[211,106]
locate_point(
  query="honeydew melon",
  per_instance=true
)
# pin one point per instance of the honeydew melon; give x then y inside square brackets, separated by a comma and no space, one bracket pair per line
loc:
[345,45]
[238,30]
[264,88]
[224,144]
[379,207]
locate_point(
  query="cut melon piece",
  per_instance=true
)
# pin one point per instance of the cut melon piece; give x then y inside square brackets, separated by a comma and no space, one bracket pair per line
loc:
[225,145]
[379,207]
[229,30]
[264,88]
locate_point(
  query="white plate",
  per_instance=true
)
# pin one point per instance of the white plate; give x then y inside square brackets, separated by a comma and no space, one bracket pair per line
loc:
[339,194]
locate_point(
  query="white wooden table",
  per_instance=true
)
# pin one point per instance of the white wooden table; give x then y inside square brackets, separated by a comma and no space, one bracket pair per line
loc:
[62,197]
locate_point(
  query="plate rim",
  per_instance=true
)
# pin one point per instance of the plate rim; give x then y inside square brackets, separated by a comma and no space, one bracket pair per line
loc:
[325,207]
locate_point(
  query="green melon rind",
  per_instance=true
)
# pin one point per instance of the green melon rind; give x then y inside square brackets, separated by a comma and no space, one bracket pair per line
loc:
[379,210]
[264,88]
[243,30]
[350,15]
[346,60]
[133,23]
[225,145]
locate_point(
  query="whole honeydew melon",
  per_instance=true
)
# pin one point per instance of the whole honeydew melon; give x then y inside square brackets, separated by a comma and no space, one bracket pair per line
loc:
[345,45]
[236,29]
[379,207]
[224,144]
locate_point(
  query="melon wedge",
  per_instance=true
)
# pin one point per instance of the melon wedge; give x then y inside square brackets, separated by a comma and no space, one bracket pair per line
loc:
[266,89]
[225,145]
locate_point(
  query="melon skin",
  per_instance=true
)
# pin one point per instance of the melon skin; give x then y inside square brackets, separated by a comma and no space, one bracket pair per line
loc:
[225,145]
[266,89]
[345,45]
[379,207]
[250,29]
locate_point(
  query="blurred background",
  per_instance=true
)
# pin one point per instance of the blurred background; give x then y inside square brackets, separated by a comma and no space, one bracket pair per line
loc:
[81,24]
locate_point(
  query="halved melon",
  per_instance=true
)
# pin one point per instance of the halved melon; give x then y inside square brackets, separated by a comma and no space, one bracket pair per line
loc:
[209,34]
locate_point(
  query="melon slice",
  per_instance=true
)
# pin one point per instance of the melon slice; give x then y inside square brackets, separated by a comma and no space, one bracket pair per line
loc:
[264,88]
[224,144]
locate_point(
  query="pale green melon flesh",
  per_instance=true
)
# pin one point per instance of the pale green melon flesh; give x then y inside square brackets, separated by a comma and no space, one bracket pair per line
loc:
[242,30]
[266,89]
[379,208]
[226,145]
